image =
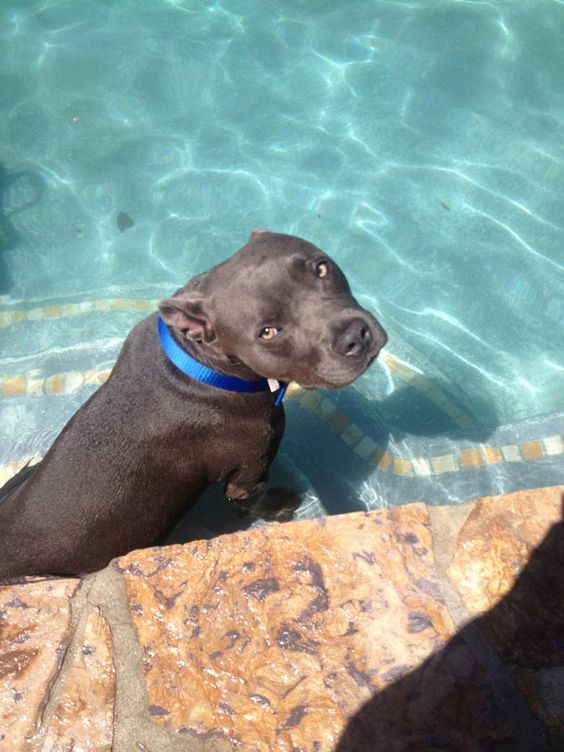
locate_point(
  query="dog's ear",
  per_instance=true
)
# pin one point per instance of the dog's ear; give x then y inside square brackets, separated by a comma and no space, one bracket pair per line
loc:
[185,311]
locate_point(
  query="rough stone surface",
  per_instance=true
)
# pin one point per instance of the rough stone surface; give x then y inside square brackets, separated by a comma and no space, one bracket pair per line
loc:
[273,638]
[34,634]
[509,565]
[496,541]
[447,703]
[402,629]
[84,716]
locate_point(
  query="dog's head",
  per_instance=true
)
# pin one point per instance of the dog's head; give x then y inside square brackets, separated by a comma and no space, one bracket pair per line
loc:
[283,308]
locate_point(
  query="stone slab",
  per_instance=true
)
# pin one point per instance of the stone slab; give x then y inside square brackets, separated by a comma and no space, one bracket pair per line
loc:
[509,566]
[83,719]
[273,638]
[35,629]
[496,541]
[326,635]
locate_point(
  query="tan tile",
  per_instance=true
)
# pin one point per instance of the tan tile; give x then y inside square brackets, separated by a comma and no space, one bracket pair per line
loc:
[310,399]
[352,435]
[406,373]
[492,455]
[553,445]
[294,390]
[55,384]
[327,408]
[445,463]
[465,421]
[366,447]
[532,450]
[35,387]
[13,386]
[7,471]
[382,459]
[438,398]
[338,421]
[402,467]
[121,305]
[511,453]
[470,457]
[71,309]
[421,466]
[95,378]
[73,380]
[390,360]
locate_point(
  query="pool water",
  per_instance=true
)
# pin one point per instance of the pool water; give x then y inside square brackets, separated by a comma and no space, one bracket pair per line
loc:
[419,143]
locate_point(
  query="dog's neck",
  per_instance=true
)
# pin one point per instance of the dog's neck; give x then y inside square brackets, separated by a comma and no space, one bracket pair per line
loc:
[213,358]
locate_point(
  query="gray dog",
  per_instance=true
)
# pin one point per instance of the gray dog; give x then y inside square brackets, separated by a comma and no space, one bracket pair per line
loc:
[194,398]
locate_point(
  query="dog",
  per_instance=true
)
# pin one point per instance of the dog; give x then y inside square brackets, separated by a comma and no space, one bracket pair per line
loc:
[193,399]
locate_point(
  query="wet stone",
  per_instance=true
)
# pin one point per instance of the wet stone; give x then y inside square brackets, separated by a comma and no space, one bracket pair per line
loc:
[83,719]
[35,632]
[285,651]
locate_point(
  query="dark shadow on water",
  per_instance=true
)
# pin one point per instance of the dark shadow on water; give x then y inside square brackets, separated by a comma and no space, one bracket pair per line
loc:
[335,471]
[31,186]
[470,696]
[410,411]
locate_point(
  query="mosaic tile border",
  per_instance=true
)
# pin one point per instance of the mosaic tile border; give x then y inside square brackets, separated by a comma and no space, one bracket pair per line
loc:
[353,436]
[9,318]
[400,368]
[324,408]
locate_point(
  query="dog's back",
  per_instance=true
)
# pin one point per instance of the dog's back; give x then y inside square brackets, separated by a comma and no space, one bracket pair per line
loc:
[16,481]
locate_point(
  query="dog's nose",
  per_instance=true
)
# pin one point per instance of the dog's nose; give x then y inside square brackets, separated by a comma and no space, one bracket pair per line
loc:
[354,339]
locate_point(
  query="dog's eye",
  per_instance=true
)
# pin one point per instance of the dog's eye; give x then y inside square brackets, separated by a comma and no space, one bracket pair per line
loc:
[268,332]
[322,269]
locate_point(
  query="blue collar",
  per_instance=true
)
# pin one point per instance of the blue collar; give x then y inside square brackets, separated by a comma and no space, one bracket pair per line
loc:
[200,372]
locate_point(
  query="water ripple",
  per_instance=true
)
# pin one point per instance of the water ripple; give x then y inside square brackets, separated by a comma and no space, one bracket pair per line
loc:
[418,142]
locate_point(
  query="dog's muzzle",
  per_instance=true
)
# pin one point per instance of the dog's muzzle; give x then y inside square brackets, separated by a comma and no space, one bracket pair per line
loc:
[358,337]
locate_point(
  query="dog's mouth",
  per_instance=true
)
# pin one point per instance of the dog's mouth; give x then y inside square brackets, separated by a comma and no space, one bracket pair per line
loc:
[342,374]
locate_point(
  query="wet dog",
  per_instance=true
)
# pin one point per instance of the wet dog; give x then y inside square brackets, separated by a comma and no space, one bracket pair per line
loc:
[194,398]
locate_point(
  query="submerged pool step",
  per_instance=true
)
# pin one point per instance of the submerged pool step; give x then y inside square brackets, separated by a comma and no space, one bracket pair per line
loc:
[393,363]
[418,381]
[364,446]
[57,311]
[65,382]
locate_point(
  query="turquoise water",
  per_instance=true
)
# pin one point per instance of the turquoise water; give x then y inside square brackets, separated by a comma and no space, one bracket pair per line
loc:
[419,143]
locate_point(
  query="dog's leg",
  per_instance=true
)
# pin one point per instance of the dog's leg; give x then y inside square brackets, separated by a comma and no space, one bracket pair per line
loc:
[262,502]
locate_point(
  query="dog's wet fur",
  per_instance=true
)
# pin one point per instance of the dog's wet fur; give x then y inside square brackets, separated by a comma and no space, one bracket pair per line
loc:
[141,450]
